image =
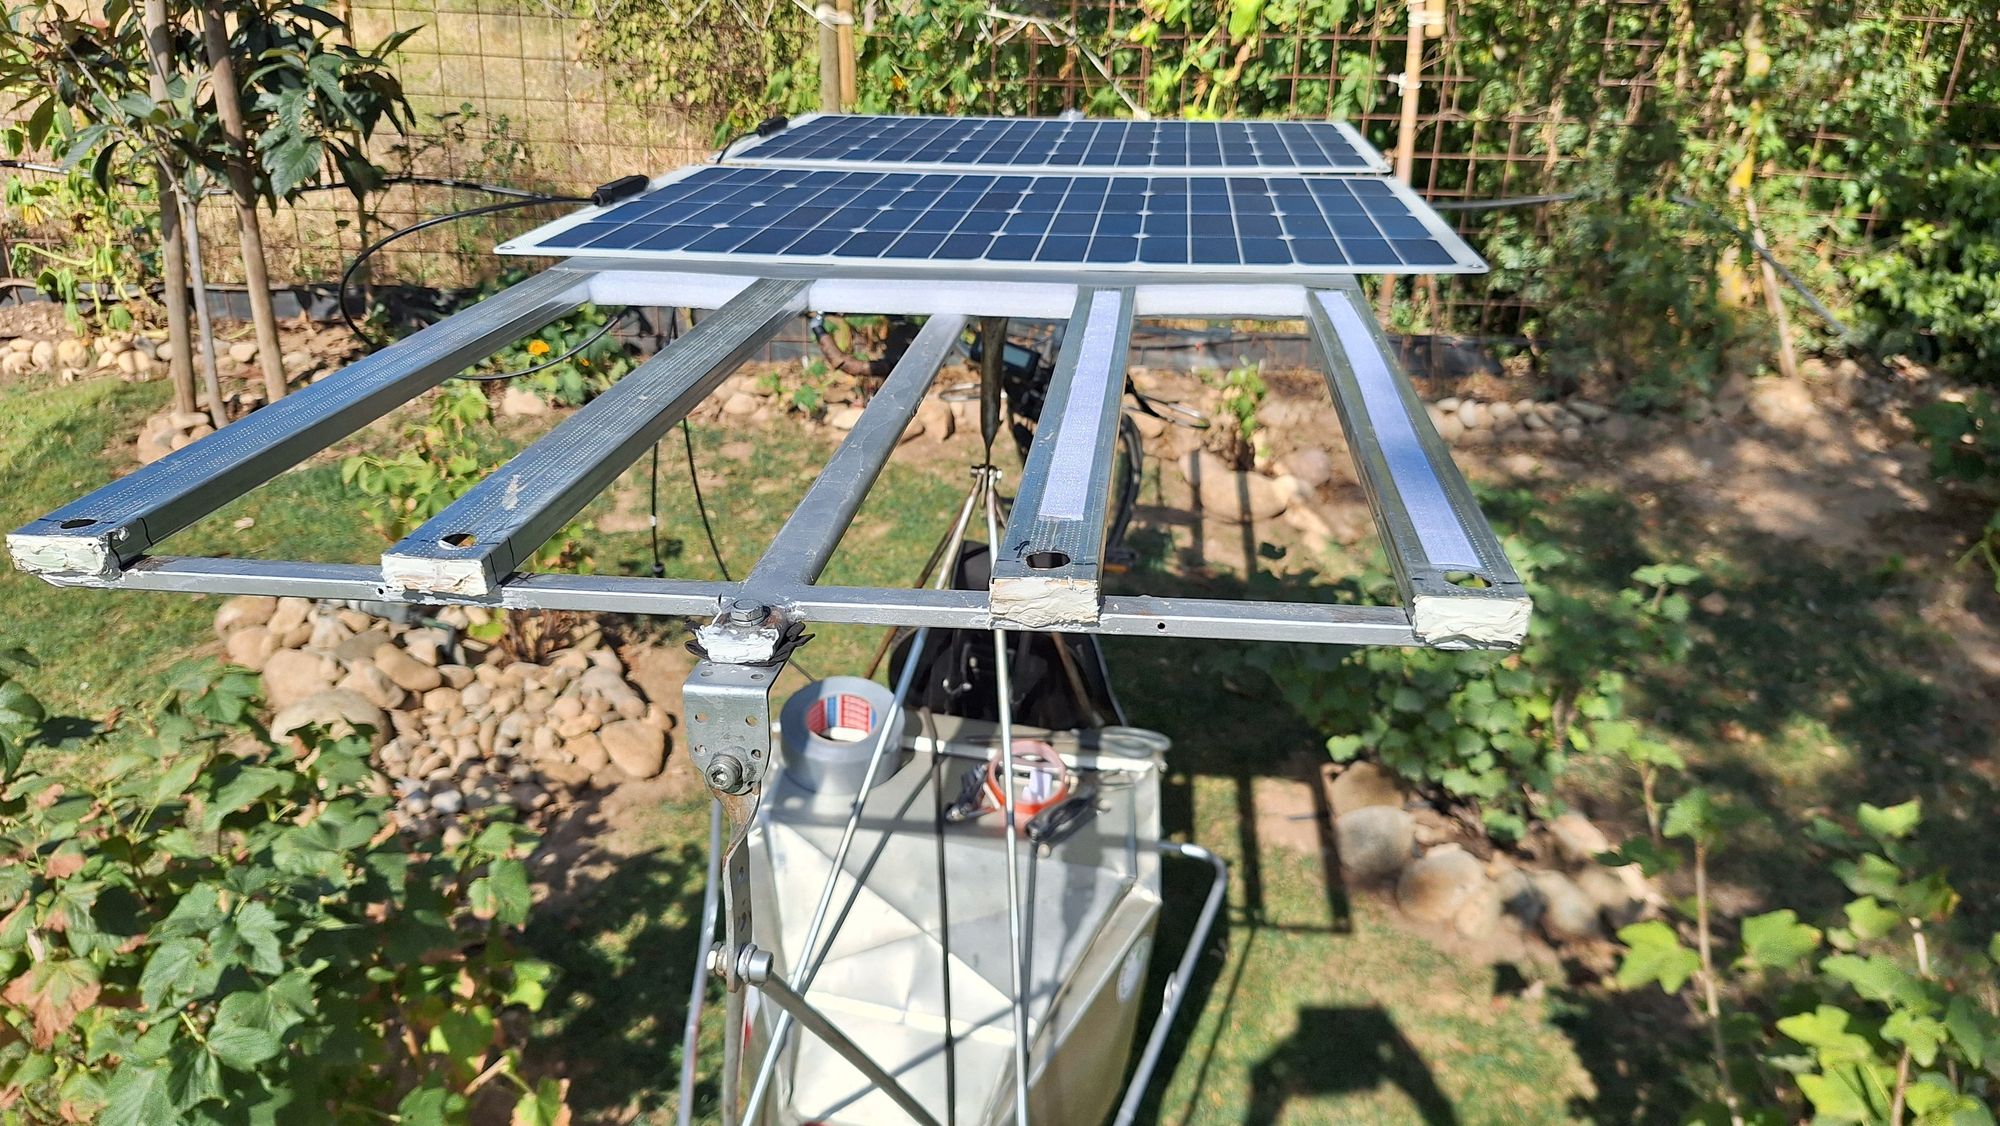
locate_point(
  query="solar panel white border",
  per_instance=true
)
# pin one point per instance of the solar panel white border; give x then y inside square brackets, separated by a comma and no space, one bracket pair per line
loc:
[746,152]
[1464,259]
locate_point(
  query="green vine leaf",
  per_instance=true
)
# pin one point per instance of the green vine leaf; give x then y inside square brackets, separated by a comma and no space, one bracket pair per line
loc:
[1777,940]
[1891,824]
[1655,954]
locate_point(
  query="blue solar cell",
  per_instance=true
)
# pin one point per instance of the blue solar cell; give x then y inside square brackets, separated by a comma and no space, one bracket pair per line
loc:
[855,139]
[1280,224]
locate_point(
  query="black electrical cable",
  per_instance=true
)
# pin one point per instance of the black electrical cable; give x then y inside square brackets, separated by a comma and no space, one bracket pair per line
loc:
[701,504]
[764,128]
[375,247]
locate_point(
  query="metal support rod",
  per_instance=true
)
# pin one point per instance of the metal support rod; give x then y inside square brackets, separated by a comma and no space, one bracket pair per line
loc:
[816,1023]
[1123,615]
[711,893]
[809,537]
[1005,691]
[476,542]
[1177,985]
[816,951]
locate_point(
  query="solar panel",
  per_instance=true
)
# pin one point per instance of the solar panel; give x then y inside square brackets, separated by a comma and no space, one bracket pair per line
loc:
[1053,144]
[1021,226]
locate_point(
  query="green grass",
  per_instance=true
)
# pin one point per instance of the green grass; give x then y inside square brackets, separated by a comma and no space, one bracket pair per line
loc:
[1820,686]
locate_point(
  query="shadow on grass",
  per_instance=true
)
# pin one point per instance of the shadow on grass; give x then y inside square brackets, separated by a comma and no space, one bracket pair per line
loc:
[623,930]
[1372,1052]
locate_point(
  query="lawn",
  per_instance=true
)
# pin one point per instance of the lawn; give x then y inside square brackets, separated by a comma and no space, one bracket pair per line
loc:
[1819,684]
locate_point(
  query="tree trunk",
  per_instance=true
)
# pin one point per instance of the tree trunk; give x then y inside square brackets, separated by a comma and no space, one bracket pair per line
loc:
[215,40]
[211,381]
[180,341]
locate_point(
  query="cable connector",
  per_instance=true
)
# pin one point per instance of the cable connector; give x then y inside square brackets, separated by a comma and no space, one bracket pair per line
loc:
[625,187]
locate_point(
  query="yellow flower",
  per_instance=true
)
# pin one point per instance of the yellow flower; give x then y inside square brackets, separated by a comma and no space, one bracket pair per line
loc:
[585,363]
[538,348]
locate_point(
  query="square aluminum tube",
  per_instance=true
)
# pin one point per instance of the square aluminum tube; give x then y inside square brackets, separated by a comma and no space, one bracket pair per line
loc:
[106,531]
[1430,524]
[803,546]
[472,546]
[1047,567]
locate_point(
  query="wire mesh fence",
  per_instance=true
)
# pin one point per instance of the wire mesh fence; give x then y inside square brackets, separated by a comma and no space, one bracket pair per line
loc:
[511,92]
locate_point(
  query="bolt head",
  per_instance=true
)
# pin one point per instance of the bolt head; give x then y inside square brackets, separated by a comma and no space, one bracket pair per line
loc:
[744,612]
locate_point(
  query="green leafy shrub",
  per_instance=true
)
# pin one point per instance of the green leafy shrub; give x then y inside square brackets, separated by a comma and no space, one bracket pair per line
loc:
[1243,391]
[1933,290]
[802,389]
[1889,1014]
[577,379]
[433,466]
[1964,439]
[232,930]
[1490,730]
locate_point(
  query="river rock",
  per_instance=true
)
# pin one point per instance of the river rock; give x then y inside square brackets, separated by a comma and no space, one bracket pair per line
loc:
[412,674]
[338,713]
[426,645]
[372,685]
[1374,841]
[288,615]
[1518,896]
[448,801]
[1617,903]
[1230,494]
[291,676]
[250,647]
[1472,414]
[1567,913]
[1441,882]
[1576,840]
[1365,784]
[635,748]
[244,610]
[588,752]
[441,699]
[456,676]
[1783,404]
[519,402]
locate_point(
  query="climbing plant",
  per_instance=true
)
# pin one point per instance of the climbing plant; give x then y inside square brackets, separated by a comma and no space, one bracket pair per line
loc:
[230,928]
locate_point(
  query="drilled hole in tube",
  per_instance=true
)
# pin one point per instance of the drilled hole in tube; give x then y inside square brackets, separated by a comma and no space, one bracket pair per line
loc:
[1048,560]
[77,522]
[459,539]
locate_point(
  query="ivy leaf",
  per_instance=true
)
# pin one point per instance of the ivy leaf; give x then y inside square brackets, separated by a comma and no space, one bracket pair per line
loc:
[257,929]
[1891,824]
[1922,1035]
[1696,815]
[1870,875]
[463,1036]
[18,706]
[1655,954]
[53,992]
[178,968]
[430,1105]
[1970,1027]
[1879,979]
[139,1096]
[530,988]
[241,1036]
[1343,748]
[192,1077]
[543,1106]
[1993,948]
[1777,939]
[1825,1031]
[502,893]
[1840,1094]
[1868,919]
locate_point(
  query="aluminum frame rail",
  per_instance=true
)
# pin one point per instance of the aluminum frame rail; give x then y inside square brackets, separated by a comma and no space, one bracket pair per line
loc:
[1047,568]
[112,528]
[1430,524]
